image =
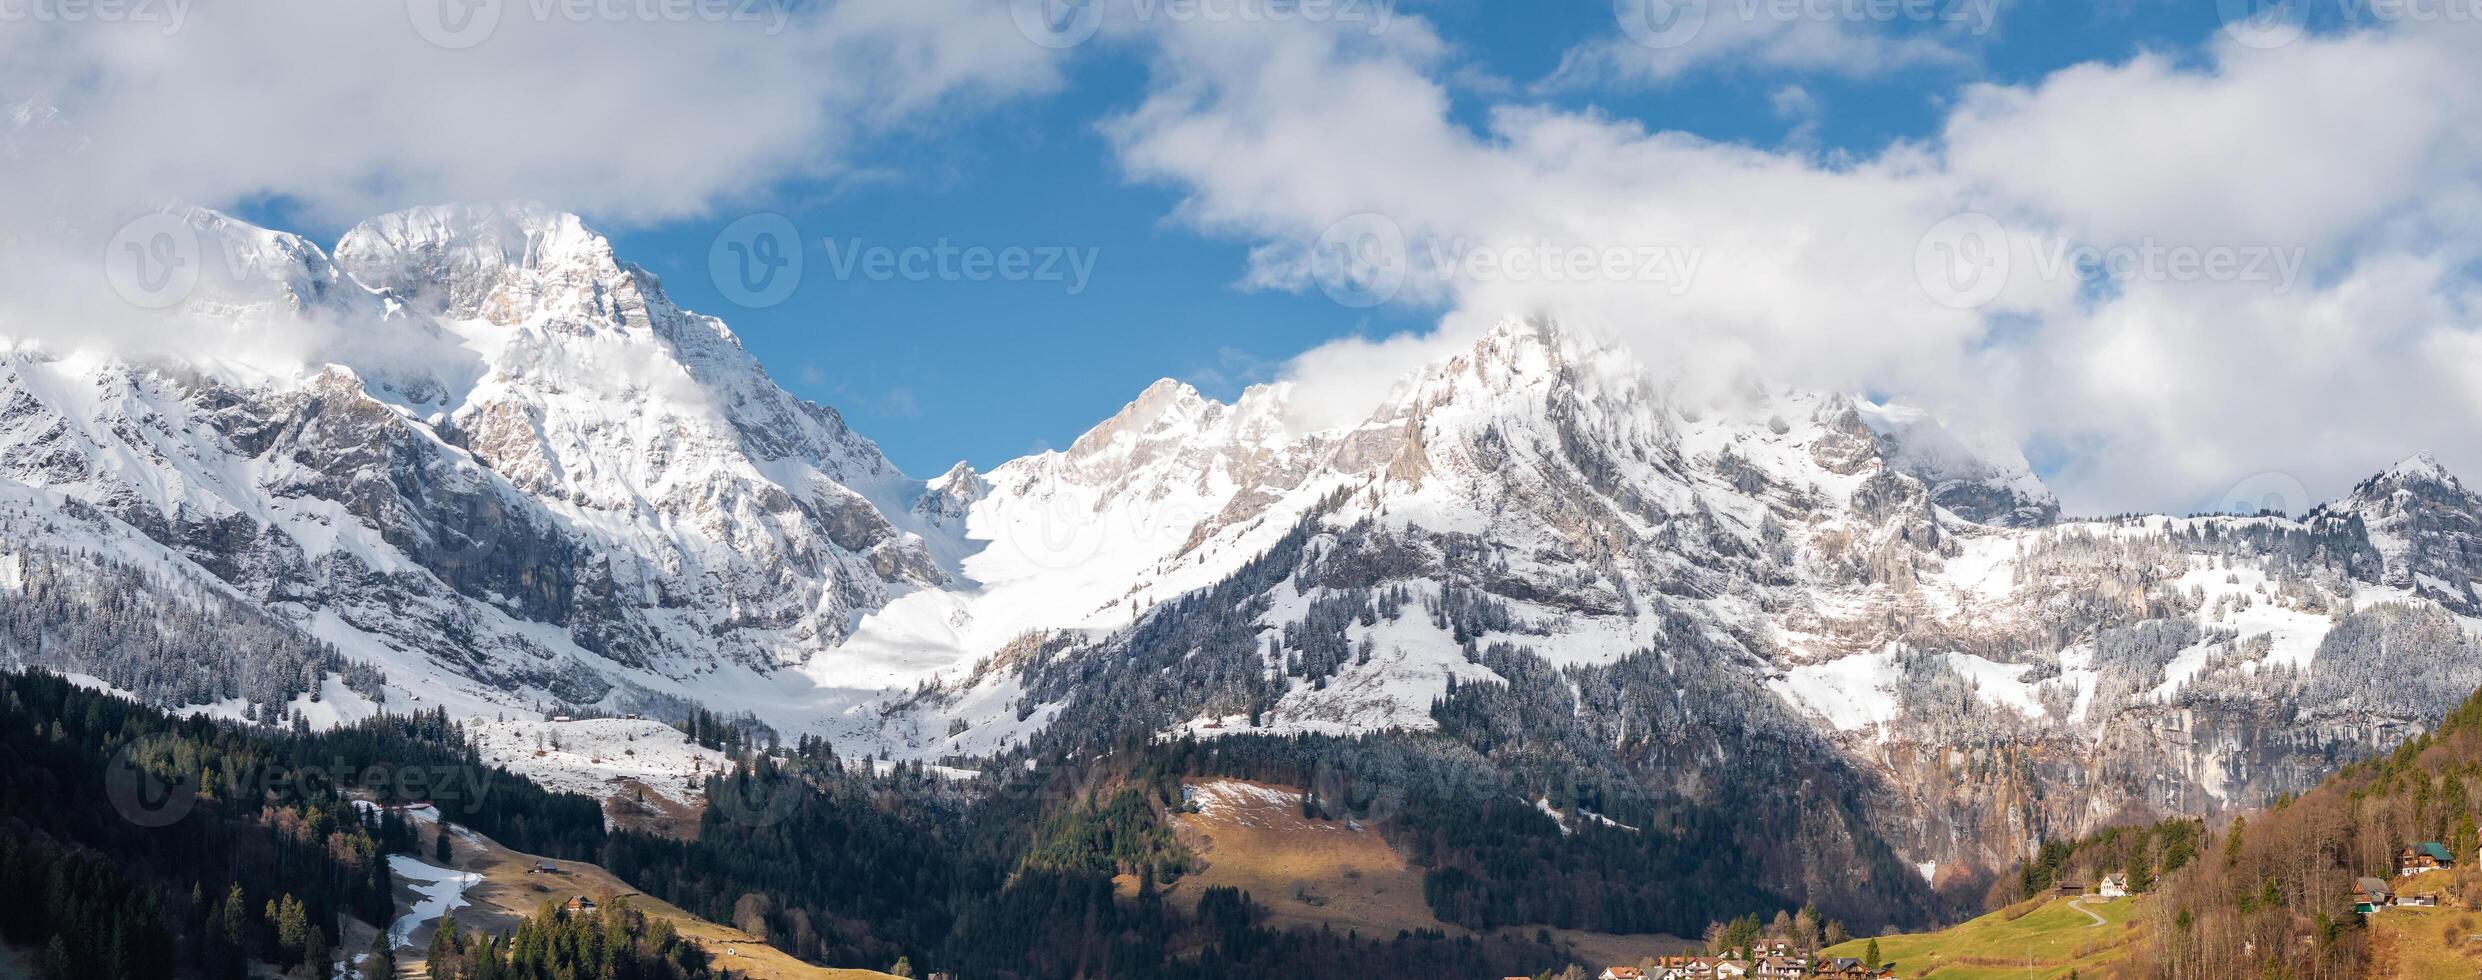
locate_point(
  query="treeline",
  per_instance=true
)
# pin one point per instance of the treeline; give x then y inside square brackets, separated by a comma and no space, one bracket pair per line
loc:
[2141,853]
[1015,880]
[616,943]
[426,757]
[259,866]
[830,864]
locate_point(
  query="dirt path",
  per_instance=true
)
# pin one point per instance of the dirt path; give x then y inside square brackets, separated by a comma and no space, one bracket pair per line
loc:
[2080,905]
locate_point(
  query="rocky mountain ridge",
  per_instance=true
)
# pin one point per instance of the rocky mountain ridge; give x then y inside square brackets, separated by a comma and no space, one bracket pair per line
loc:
[495,467]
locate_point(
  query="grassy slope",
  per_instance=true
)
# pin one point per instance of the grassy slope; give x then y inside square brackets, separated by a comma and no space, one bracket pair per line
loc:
[2048,942]
[1352,879]
[2422,943]
[508,894]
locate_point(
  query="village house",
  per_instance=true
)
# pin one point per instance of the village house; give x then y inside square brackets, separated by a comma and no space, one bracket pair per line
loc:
[579,905]
[1766,960]
[2371,895]
[2069,889]
[2113,886]
[2429,855]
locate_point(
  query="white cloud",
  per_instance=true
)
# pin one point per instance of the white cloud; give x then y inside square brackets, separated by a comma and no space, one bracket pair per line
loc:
[628,112]
[348,108]
[1663,40]
[2358,154]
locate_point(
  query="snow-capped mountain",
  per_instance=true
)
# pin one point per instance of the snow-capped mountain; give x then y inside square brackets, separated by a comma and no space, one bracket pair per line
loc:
[1670,581]
[474,459]
[504,465]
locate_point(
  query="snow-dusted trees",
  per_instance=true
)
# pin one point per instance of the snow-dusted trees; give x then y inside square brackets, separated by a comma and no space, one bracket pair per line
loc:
[79,614]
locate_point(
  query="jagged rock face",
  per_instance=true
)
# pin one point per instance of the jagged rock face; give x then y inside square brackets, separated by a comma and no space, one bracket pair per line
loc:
[2426,526]
[1902,601]
[512,464]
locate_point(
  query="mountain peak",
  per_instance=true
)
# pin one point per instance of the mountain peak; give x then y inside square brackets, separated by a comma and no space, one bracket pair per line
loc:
[476,261]
[1167,408]
[2421,465]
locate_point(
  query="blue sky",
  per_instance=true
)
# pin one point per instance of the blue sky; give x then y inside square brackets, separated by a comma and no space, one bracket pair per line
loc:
[940,371]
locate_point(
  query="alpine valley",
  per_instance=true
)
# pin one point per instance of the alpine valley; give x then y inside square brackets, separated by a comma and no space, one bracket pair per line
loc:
[1596,644]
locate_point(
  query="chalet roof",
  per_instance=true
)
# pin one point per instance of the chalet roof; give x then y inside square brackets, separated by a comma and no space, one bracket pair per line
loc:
[2435,850]
[2370,886]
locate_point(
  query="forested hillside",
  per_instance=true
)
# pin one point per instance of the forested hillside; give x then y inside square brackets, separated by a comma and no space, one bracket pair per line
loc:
[2272,892]
[105,885]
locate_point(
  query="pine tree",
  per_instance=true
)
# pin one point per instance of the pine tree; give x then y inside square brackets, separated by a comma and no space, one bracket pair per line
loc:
[381,963]
[316,958]
[236,917]
[292,926]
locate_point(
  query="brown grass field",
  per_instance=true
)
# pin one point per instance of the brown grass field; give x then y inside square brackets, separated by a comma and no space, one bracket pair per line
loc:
[1320,873]
[2425,943]
[508,894]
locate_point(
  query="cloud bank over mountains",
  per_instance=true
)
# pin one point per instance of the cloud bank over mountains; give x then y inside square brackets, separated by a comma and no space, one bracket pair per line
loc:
[2195,269]
[2176,272]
